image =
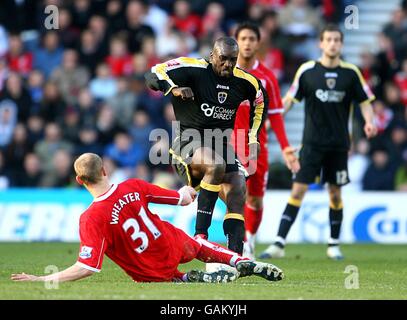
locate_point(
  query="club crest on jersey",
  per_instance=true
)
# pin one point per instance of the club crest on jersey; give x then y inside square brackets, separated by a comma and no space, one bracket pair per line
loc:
[331,83]
[86,252]
[222,96]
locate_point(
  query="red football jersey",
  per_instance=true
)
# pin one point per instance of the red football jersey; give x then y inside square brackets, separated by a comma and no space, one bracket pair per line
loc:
[270,83]
[120,225]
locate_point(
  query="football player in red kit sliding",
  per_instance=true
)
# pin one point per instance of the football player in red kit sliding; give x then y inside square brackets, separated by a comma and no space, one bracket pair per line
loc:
[119,224]
[248,38]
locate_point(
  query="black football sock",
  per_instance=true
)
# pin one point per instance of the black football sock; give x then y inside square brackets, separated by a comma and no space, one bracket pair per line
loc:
[206,203]
[335,221]
[287,220]
[233,227]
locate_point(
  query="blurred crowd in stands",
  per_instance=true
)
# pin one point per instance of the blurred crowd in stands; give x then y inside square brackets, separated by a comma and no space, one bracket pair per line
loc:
[80,87]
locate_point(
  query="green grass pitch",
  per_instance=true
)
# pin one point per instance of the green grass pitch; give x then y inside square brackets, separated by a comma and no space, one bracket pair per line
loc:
[382,274]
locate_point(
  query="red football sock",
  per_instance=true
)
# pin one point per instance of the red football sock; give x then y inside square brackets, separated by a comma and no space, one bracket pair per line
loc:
[252,218]
[213,252]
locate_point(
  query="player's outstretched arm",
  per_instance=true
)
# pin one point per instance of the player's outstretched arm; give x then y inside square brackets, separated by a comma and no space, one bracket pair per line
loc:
[175,74]
[288,152]
[72,273]
[156,194]
[153,83]
[287,103]
[185,93]
[368,114]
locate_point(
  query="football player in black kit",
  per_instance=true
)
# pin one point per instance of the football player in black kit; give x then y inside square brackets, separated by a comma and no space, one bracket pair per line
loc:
[329,87]
[205,96]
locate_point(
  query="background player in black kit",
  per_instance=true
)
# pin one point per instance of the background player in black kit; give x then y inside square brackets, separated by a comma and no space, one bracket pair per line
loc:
[329,87]
[206,95]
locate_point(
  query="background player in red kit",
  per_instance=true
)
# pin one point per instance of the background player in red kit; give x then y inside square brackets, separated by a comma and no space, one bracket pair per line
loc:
[248,38]
[119,224]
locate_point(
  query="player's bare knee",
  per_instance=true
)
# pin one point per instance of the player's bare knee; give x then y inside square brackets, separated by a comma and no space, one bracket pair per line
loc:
[298,191]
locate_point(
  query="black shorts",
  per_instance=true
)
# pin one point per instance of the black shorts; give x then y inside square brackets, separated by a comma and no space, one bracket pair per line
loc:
[181,153]
[323,166]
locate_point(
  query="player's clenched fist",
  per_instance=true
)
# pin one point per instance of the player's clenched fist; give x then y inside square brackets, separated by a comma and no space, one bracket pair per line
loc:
[370,130]
[184,92]
[188,195]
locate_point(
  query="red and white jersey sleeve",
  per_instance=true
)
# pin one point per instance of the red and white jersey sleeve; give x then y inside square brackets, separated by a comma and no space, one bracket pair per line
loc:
[156,194]
[275,107]
[270,82]
[93,242]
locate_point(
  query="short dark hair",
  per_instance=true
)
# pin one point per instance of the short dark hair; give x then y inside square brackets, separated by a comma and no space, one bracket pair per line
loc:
[330,28]
[228,41]
[248,25]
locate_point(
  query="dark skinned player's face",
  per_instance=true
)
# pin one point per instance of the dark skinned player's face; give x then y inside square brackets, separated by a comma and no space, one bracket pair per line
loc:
[224,59]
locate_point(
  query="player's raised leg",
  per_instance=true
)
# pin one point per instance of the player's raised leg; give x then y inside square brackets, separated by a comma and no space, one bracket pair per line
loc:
[335,221]
[276,250]
[210,166]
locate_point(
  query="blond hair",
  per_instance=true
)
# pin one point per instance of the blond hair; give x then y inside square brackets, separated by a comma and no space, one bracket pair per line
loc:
[88,168]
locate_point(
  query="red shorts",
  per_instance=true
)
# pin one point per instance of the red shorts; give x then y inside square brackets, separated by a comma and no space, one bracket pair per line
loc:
[177,248]
[257,183]
[186,247]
